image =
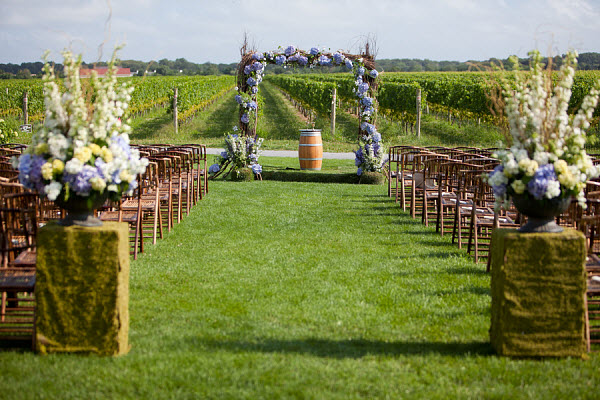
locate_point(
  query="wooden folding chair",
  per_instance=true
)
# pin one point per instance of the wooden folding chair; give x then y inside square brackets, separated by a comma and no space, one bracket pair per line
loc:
[18,221]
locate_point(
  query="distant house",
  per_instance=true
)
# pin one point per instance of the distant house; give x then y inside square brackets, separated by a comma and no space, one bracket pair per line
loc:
[101,71]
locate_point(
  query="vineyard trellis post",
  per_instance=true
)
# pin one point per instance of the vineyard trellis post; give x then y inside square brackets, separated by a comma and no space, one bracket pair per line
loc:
[25,108]
[419,113]
[333,104]
[175,110]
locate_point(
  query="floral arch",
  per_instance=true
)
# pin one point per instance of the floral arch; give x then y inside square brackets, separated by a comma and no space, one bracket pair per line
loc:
[251,69]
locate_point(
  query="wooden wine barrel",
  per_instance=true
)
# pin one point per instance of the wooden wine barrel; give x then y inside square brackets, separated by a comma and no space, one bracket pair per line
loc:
[310,149]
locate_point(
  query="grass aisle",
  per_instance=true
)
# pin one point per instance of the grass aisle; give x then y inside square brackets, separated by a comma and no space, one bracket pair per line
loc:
[299,290]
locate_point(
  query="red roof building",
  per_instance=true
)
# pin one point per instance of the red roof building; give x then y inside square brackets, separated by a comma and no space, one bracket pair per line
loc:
[101,71]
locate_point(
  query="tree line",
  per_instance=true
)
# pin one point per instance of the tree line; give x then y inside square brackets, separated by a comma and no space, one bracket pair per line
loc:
[164,67]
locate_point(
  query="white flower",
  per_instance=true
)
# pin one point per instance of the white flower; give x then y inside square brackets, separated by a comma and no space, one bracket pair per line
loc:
[73,166]
[553,189]
[52,190]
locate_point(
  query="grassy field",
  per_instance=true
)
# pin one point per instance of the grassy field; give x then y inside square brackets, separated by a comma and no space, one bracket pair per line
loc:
[300,290]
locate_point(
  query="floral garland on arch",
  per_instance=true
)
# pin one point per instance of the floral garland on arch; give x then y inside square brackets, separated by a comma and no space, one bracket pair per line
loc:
[250,74]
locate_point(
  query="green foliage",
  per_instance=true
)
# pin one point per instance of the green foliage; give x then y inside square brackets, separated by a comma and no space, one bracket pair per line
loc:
[241,175]
[312,94]
[372,178]
[8,131]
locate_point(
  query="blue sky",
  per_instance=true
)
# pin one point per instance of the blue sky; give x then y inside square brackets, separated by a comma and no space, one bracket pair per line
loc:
[211,31]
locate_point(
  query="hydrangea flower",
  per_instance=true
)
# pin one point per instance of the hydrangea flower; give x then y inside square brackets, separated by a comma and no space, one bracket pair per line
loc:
[349,65]
[302,60]
[252,82]
[280,59]
[373,73]
[360,71]
[338,58]
[366,101]
[245,118]
[256,168]
[324,60]
[258,56]
[290,50]
[213,169]
[248,69]
[314,51]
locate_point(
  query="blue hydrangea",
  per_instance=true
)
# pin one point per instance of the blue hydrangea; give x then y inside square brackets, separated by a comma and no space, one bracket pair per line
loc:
[499,190]
[376,148]
[302,60]
[359,171]
[245,118]
[293,58]
[367,127]
[256,168]
[280,59]
[338,58]
[373,73]
[324,60]
[258,56]
[252,105]
[213,169]
[81,182]
[376,136]
[314,51]
[363,88]
[248,69]
[349,64]
[360,71]
[258,67]
[290,50]
[366,101]
[538,185]
[224,155]
[251,82]
[254,89]
[359,157]
[239,99]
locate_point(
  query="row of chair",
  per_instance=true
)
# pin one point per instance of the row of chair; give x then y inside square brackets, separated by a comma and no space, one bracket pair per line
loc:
[447,187]
[174,181]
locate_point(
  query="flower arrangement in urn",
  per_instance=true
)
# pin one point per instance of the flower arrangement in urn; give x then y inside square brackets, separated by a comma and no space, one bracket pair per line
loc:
[546,164]
[81,155]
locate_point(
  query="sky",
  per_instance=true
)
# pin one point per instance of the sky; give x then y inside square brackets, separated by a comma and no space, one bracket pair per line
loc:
[211,31]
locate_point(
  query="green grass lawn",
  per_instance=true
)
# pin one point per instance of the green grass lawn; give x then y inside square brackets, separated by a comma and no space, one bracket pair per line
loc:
[302,290]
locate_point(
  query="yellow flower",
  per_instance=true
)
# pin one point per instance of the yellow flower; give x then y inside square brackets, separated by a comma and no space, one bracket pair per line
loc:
[561,167]
[83,154]
[567,179]
[528,166]
[58,166]
[518,186]
[96,150]
[47,171]
[98,184]
[107,154]
[126,176]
